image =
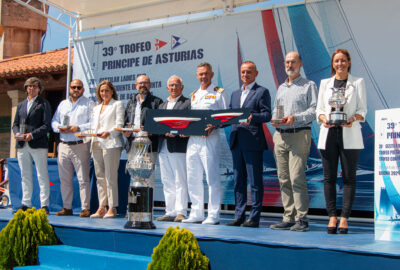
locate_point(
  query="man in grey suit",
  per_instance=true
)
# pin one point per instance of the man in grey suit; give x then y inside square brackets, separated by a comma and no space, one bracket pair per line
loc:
[172,158]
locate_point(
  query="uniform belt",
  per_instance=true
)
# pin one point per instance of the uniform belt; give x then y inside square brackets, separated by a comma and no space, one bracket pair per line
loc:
[73,143]
[292,130]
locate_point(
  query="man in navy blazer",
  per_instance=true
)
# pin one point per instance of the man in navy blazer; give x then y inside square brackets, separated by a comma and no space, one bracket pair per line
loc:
[247,143]
[30,127]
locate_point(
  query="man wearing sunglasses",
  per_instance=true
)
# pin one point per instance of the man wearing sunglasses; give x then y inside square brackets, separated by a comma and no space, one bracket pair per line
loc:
[72,116]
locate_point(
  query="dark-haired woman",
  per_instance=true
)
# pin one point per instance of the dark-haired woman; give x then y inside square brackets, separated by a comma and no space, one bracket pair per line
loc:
[345,141]
[107,147]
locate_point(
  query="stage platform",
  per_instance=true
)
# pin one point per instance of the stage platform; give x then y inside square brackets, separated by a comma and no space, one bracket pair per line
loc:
[236,247]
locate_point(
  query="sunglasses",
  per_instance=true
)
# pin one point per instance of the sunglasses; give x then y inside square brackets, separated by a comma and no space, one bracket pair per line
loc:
[76,87]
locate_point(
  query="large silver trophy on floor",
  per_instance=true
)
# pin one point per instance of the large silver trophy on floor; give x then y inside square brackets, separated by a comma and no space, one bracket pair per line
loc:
[337,101]
[140,195]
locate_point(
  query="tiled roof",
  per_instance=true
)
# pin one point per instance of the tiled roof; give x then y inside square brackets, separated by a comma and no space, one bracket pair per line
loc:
[32,64]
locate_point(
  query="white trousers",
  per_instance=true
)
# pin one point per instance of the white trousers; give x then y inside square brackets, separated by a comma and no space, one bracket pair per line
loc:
[25,157]
[106,164]
[76,157]
[203,154]
[173,177]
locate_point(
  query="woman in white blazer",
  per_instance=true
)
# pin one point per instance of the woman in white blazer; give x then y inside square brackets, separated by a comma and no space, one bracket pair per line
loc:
[345,141]
[107,147]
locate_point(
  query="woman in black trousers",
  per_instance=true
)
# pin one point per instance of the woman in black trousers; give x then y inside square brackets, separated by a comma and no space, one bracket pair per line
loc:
[344,141]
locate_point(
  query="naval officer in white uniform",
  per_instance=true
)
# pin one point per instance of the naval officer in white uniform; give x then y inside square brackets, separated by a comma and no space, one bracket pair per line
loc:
[203,152]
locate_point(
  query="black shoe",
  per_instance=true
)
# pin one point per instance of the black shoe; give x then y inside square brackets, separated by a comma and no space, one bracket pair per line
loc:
[46,208]
[331,230]
[236,222]
[282,226]
[300,226]
[250,223]
[22,207]
[343,230]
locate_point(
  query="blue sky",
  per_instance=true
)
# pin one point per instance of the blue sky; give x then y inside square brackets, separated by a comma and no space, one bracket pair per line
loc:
[57,35]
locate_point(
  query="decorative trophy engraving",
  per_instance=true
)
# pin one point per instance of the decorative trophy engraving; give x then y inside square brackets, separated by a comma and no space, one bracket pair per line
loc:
[337,101]
[280,113]
[65,122]
[140,195]
[22,130]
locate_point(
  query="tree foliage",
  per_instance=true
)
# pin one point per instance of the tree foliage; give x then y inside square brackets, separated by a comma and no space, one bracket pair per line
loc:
[178,250]
[20,239]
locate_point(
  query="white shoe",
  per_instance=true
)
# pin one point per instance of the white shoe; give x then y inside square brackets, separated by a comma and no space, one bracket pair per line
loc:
[192,220]
[211,221]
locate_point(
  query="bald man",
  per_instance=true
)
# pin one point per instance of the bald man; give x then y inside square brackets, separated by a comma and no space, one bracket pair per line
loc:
[73,152]
[292,140]
[135,113]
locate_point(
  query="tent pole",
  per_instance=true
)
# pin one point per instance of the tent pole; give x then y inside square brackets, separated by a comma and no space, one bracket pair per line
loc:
[69,62]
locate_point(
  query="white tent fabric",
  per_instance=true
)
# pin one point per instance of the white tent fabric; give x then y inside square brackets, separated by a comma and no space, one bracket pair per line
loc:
[95,14]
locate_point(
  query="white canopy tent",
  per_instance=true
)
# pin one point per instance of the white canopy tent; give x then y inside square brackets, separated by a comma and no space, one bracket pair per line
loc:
[84,15]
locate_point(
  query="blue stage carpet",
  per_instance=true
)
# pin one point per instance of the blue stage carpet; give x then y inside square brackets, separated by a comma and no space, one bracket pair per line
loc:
[239,248]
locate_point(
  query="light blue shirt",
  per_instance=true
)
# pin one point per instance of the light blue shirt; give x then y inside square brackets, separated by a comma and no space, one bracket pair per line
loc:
[79,115]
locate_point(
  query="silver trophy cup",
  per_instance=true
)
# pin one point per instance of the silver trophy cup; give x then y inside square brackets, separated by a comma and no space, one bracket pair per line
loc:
[140,195]
[337,101]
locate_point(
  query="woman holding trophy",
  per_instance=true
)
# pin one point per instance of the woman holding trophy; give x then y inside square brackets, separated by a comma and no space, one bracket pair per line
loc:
[106,147]
[341,106]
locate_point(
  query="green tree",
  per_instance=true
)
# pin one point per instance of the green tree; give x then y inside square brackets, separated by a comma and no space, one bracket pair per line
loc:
[20,239]
[178,250]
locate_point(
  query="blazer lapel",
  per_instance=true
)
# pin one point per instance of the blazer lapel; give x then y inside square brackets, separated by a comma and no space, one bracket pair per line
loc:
[23,112]
[249,96]
[34,105]
[178,103]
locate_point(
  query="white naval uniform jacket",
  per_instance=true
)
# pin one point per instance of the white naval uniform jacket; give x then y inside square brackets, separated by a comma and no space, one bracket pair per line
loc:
[356,103]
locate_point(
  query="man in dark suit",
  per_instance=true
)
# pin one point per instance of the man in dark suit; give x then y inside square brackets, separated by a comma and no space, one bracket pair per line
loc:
[30,127]
[172,158]
[135,114]
[247,143]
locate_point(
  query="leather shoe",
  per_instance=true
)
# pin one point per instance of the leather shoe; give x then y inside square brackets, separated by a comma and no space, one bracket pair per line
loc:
[179,218]
[192,220]
[250,223]
[22,207]
[343,230]
[85,213]
[236,222]
[282,226]
[165,218]
[211,221]
[64,212]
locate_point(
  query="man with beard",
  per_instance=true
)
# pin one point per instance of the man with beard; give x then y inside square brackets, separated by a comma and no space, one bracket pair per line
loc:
[73,152]
[247,143]
[203,152]
[135,114]
[292,140]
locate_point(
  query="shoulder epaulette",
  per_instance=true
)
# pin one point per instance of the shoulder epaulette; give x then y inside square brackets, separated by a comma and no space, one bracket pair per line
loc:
[219,89]
[191,94]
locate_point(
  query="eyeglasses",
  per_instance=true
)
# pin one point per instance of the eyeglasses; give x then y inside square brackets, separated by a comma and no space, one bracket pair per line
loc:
[76,87]
[32,85]
[142,83]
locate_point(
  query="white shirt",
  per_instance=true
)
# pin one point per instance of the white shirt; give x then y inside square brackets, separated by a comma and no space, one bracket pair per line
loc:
[209,99]
[29,104]
[79,115]
[245,93]
[138,112]
[171,102]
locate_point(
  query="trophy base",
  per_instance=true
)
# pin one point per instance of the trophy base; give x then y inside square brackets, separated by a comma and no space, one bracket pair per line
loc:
[337,119]
[139,225]
[278,121]
[19,137]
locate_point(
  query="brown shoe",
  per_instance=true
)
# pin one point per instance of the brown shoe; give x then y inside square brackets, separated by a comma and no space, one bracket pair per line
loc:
[85,213]
[64,212]
[165,218]
[179,218]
